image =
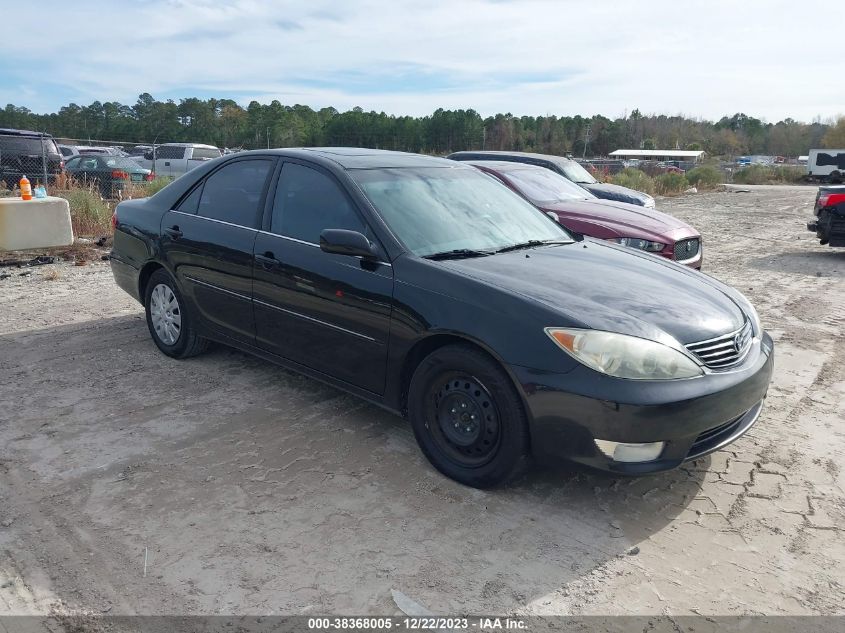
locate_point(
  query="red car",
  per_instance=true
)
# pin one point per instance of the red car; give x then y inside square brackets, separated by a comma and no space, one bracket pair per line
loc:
[582,213]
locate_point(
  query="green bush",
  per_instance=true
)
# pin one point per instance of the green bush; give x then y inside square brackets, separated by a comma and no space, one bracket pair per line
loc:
[705,177]
[670,184]
[634,179]
[769,174]
[89,213]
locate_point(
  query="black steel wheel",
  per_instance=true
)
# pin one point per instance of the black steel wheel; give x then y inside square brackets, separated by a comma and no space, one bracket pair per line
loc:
[467,417]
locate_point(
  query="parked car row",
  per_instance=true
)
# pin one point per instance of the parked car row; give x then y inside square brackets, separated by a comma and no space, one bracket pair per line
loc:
[438,290]
[570,170]
[25,152]
[69,151]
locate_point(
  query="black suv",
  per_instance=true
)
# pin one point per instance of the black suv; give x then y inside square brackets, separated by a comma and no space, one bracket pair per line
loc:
[23,152]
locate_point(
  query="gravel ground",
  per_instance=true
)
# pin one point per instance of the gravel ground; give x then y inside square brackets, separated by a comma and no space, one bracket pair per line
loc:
[254,490]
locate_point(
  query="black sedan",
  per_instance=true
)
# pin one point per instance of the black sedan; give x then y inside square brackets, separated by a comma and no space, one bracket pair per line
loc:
[429,288]
[569,169]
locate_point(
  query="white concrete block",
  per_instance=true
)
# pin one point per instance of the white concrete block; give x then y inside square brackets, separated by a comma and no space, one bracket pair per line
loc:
[36,223]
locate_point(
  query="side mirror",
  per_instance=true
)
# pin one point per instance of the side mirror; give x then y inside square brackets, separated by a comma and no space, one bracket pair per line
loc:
[343,242]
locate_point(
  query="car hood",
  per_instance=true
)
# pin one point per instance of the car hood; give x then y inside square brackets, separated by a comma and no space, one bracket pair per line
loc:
[607,191]
[628,220]
[608,287]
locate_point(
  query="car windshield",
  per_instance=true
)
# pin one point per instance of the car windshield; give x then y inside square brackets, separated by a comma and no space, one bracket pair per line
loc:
[542,185]
[576,173]
[437,210]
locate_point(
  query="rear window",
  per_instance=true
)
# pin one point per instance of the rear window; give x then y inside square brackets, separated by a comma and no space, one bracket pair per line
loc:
[119,161]
[27,145]
[204,153]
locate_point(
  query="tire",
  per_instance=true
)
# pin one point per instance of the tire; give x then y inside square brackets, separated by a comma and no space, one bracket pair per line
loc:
[835,177]
[823,231]
[460,385]
[171,326]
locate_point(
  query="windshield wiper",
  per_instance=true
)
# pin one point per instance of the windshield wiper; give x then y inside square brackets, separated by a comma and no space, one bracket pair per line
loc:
[530,244]
[458,253]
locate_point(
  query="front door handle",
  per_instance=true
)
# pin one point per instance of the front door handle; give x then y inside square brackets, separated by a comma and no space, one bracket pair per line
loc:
[268,260]
[173,232]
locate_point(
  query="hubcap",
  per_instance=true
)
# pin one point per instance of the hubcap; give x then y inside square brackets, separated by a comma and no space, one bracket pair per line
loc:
[165,314]
[466,421]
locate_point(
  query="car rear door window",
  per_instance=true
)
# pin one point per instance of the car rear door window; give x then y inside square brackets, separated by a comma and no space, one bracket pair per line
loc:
[308,201]
[191,202]
[170,152]
[232,194]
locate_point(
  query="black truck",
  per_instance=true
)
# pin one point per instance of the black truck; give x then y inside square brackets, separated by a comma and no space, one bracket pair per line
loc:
[829,210]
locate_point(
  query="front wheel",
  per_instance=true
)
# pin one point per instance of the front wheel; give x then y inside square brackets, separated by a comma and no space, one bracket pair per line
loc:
[171,326]
[468,418]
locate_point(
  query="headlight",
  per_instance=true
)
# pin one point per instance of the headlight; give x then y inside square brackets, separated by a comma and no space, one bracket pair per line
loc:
[755,319]
[624,356]
[643,245]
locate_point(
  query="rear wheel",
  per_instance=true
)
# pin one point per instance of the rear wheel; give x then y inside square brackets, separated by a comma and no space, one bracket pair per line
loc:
[468,418]
[170,325]
[835,177]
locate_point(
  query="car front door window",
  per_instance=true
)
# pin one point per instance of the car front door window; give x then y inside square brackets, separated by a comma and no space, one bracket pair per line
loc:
[308,201]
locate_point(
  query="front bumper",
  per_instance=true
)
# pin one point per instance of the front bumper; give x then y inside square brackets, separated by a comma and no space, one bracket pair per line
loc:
[693,417]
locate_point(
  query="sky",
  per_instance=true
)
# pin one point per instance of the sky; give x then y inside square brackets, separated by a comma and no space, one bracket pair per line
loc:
[771,59]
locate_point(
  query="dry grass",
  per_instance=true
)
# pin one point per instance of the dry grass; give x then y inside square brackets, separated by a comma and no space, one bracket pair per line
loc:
[52,275]
[90,215]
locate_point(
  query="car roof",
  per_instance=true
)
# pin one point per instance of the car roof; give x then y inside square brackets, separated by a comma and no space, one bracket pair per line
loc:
[503,165]
[13,132]
[360,158]
[201,145]
[482,154]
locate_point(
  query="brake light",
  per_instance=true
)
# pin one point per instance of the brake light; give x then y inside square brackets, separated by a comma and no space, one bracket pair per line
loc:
[119,174]
[114,220]
[149,177]
[831,199]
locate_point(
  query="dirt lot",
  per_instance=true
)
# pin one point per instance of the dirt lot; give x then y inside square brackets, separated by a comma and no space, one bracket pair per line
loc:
[253,490]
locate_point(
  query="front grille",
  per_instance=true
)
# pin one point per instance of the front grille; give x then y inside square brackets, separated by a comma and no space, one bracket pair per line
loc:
[687,249]
[723,351]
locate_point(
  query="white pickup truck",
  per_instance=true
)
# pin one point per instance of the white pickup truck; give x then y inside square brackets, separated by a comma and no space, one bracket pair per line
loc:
[826,165]
[175,159]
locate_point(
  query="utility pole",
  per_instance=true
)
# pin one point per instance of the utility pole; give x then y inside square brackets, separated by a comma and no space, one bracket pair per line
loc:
[586,140]
[268,138]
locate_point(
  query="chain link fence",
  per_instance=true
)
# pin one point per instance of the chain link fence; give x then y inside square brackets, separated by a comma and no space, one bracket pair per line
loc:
[112,169]
[33,155]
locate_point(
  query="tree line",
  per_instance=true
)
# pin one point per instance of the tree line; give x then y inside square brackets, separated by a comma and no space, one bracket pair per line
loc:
[225,123]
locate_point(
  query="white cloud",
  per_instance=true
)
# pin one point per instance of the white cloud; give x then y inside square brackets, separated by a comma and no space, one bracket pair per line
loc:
[701,58]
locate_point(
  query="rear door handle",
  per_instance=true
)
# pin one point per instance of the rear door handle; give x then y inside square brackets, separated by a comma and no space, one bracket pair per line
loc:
[173,232]
[268,260]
